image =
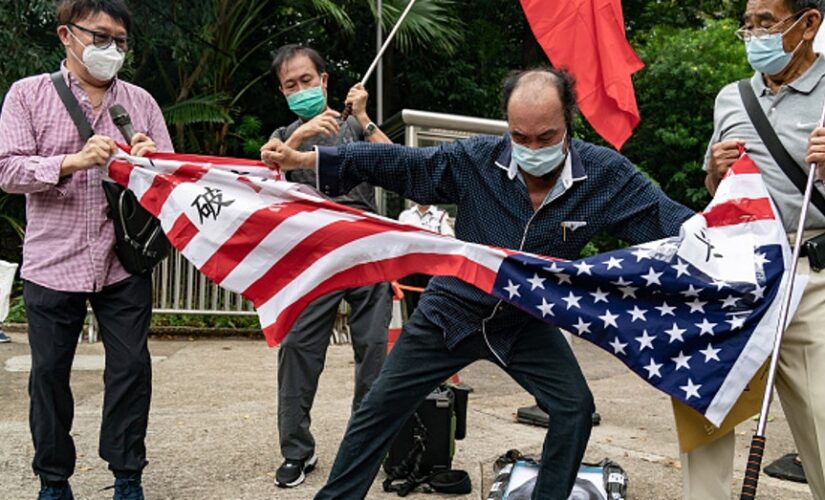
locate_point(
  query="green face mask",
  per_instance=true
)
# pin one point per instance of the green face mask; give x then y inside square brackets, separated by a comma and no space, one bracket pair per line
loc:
[307,103]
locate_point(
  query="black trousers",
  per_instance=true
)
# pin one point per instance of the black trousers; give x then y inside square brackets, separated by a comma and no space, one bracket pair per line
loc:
[55,318]
[411,298]
[541,362]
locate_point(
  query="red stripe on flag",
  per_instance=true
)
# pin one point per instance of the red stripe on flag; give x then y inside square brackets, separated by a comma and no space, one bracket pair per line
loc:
[182,232]
[163,185]
[315,246]
[245,180]
[457,266]
[744,165]
[739,211]
[248,235]
[119,171]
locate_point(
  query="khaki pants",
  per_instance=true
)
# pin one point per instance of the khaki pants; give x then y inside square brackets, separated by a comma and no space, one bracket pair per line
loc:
[707,472]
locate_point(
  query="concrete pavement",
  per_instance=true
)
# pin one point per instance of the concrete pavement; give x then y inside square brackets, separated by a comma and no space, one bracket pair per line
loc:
[212,430]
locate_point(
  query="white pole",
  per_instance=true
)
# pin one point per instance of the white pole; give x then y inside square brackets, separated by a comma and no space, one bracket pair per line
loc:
[379,87]
[387,42]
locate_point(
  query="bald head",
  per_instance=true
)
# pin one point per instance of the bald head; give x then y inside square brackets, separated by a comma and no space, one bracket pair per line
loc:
[542,88]
[535,87]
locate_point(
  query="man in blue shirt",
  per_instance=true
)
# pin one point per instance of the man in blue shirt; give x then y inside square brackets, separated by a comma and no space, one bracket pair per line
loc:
[535,189]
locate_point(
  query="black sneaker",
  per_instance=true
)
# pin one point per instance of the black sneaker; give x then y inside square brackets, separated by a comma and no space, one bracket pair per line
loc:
[55,491]
[4,339]
[128,489]
[291,473]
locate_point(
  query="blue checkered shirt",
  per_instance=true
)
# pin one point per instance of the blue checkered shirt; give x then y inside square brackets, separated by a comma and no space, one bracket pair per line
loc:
[605,191]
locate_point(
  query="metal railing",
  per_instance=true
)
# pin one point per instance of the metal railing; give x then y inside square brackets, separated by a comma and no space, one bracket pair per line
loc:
[179,288]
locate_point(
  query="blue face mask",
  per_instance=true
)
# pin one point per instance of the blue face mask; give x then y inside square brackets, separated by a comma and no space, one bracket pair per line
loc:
[538,162]
[307,103]
[766,53]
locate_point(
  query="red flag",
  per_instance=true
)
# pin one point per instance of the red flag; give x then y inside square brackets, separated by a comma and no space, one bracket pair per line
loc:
[587,37]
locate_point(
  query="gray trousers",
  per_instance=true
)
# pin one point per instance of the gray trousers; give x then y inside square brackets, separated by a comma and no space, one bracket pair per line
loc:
[302,353]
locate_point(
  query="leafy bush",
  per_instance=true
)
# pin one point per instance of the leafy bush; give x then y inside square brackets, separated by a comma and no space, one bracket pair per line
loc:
[684,70]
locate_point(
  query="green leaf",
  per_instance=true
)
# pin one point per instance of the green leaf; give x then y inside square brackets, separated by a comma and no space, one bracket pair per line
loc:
[201,109]
[428,24]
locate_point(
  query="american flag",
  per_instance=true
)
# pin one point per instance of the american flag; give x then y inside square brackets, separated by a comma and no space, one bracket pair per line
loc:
[694,315]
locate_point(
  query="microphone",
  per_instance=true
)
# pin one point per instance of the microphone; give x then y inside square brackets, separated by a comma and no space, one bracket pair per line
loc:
[122,122]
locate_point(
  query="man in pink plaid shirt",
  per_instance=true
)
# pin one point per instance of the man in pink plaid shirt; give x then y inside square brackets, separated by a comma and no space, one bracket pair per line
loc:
[68,253]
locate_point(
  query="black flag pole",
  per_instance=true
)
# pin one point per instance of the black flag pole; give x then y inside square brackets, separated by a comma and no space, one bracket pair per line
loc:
[348,110]
[757,449]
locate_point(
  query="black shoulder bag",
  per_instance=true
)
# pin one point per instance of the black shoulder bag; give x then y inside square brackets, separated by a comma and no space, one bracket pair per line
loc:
[814,248]
[140,242]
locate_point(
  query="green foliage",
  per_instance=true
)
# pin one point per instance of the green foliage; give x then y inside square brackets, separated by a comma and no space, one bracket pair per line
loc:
[205,321]
[29,40]
[208,60]
[684,70]
[201,109]
[642,15]
[429,23]
[17,311]
[248,136]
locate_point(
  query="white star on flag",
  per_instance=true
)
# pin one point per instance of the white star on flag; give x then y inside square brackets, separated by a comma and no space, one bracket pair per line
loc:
[512,289]
[609,319]
[652,277]
[645,341]
[696,306]
[583,268]
[572,300]
[546,308]
[536,282]
[675,333]
[618,346]
[666,310]
[582,327]
[710,353]
[680,268]
[599,296]
[736,322]
[729,301]
[681,361]
[691,389]
[613,263]
[637,314]
[705,327]
[653,369]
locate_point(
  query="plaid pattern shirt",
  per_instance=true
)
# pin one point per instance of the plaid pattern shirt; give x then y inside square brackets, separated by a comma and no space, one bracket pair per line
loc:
[69,241]
[602,193]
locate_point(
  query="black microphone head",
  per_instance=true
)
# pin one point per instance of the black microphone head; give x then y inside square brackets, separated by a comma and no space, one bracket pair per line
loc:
[122,121]
[119,115]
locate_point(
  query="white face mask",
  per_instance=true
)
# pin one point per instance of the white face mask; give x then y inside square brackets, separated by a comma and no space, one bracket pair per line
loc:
[102,64]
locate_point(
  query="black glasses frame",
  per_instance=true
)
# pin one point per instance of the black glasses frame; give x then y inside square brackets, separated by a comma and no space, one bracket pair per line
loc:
[104,40]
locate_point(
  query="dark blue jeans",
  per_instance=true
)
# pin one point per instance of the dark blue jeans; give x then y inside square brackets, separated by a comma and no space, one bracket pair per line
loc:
[542,363]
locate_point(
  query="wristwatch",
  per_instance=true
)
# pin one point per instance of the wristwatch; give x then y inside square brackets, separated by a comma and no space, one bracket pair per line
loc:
[370,129]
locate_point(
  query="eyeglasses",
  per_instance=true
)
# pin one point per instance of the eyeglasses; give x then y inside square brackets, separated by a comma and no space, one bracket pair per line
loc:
[746,34]
[104,40]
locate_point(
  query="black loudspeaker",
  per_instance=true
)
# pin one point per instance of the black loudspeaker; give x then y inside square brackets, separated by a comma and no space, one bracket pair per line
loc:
[426,441]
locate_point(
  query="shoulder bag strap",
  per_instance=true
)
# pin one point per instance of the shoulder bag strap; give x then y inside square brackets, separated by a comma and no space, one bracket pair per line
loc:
[774,145]
[72,106]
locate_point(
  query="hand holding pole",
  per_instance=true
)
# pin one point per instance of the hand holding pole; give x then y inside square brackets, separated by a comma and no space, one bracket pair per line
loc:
[348,109]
